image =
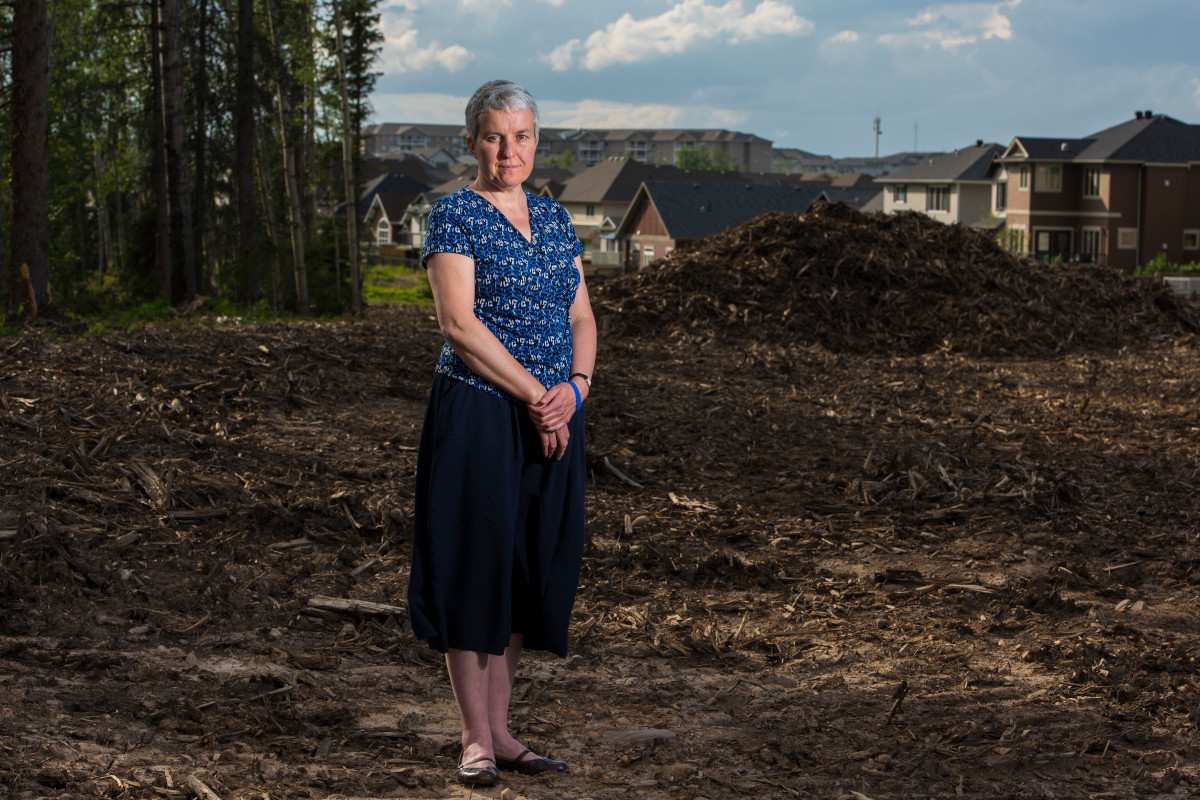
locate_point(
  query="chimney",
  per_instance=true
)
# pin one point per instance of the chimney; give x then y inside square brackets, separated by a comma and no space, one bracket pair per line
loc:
[1148,114]
[979,142]
[1137,114]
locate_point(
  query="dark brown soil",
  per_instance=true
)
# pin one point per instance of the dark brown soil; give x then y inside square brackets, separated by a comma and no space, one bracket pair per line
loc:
[842,575]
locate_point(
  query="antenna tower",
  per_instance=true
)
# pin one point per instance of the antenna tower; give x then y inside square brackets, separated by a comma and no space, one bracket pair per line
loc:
[878,132]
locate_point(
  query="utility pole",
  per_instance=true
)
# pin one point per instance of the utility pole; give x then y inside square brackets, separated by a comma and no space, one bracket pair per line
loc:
[878,132]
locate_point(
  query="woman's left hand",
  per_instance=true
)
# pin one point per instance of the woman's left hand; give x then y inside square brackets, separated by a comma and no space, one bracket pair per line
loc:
[554,410]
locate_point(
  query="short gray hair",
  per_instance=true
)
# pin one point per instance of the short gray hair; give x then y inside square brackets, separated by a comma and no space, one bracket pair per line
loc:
[499,96]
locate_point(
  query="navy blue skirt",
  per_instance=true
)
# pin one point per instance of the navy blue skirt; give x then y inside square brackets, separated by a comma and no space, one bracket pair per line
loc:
[499,528]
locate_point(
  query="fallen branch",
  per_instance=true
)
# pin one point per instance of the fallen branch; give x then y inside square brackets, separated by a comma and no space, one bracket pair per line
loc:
[621,476]
[201,789]
[347,605]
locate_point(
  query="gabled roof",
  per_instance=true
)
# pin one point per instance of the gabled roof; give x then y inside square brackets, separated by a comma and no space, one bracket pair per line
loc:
[394,191]
[611,180]
[967,164]
[1153,139]
[694,210]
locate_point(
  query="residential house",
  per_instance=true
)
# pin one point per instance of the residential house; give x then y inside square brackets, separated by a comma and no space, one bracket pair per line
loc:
[1118,197]
[953,187]
[382,205]
[666,215]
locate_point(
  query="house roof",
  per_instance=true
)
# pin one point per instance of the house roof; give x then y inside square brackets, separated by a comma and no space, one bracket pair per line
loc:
[693,210]
[966,164]
[1153,139]
[617,179]
[395,191]
[864,198]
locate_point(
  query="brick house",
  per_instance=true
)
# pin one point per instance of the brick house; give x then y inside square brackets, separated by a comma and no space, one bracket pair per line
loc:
[1118,197]
[670,214]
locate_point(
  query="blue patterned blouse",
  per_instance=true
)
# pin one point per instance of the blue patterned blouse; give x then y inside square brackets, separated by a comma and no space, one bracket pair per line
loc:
[523,289]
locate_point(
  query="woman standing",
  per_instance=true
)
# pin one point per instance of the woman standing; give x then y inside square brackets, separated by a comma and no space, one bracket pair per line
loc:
[500,475]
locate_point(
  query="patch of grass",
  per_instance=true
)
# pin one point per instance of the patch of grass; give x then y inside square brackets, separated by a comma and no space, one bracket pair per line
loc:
[396,284]
[130,318]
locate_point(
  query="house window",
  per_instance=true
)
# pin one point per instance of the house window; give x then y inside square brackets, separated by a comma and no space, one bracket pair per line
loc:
[1089,245]
[1091,182]
[591,151]
[589,211]
[1191,239]
[637,149]
[648,254]
[1001,196]
[1127,238]
[1048,178]
[383,232]
[1023,179]
[900,193]
[937,198]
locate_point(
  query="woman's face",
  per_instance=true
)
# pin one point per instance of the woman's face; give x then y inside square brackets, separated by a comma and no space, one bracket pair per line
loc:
[504,148]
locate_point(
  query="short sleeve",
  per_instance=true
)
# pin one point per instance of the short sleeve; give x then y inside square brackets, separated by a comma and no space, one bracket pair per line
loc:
[571,236]
[445,233]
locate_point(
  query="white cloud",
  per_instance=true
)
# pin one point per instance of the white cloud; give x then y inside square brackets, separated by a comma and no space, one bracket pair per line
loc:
[403,5]
[555,3]
[954,25]
[677,30]
[405,50]
[474,6]
[612,114]
[561,57]
[843,37]
[445,108]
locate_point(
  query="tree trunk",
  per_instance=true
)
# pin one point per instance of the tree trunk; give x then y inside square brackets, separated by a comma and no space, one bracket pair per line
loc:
[350,179]
[30,152]
[103,224]
[202,196]
[268,218]
[247,245]
[158,162]
[177,169]
[290,181]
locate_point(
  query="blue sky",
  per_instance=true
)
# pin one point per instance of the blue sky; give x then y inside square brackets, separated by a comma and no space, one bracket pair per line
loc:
[804,73]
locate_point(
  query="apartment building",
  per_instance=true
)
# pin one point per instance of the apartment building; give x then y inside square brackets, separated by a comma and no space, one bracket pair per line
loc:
[748,153]
[1120,196]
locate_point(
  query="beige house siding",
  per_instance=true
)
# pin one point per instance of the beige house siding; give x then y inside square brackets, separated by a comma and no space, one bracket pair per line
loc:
[974,201]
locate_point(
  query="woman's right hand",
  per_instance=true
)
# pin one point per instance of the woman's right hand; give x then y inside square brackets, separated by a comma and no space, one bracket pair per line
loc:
[554,444]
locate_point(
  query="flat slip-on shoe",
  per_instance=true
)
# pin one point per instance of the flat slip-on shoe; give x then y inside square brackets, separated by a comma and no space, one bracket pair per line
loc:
[469,775]
[531,766]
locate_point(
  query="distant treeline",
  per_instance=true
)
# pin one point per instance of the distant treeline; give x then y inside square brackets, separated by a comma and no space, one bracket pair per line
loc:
[165,149]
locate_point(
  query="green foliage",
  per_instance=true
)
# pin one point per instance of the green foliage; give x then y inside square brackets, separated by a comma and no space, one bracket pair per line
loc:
[566,159]
[130,318]
[705,158]
[1160,265]
[397,285]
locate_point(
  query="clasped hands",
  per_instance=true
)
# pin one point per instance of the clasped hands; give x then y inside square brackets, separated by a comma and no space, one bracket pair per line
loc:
[550,416]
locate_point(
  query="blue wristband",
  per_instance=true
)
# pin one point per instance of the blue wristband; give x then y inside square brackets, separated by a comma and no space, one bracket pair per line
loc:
[578,396]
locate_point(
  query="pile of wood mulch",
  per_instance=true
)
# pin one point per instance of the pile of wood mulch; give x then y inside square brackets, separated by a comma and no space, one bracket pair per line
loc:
[872,283]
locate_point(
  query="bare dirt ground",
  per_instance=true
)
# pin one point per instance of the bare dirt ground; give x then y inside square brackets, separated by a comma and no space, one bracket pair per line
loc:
[839,576]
